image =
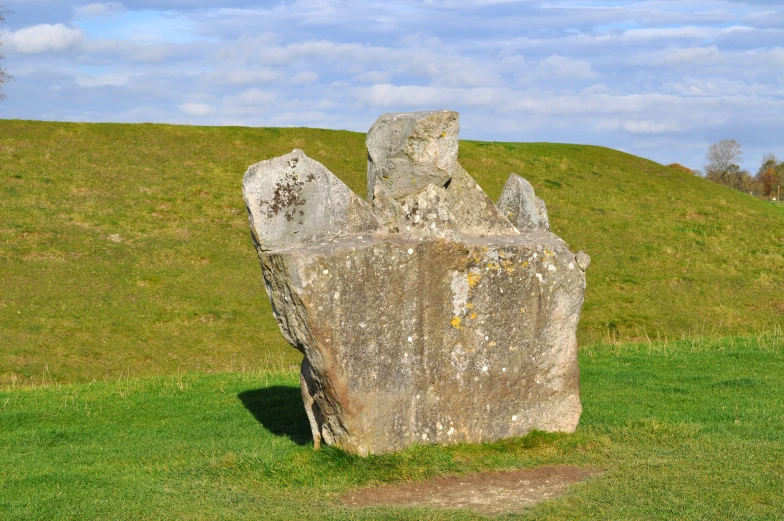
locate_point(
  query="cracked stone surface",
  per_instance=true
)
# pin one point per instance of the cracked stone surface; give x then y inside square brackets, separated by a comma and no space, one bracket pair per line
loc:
[424,315]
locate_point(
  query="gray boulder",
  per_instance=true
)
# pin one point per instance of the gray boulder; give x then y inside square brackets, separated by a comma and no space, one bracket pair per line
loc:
[416,185]
[293,200]
[408,151]
[521,206]
[423,317]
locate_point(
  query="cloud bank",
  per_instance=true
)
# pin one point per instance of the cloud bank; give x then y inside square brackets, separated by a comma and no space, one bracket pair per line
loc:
[658,78]
[43,38]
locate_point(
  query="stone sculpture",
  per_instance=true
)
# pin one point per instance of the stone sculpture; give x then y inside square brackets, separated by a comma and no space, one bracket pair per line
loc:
[426,314]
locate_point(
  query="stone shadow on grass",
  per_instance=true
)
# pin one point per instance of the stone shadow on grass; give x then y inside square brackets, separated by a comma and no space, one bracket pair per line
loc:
[280,410]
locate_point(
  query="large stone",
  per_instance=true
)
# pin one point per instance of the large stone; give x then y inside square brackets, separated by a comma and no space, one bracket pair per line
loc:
[442,330]
[416,185]
[293,200]
[406,152]
[460,210]
[520,205]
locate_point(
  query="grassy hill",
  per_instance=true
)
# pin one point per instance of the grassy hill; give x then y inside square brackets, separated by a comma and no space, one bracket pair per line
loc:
[124,249]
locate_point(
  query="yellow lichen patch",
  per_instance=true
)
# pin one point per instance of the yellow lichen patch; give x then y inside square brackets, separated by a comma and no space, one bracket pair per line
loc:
[456,322]
[473,316]
[473,278]
[469,305]
[508,266]
[480,255]
[492,344]
[522,310]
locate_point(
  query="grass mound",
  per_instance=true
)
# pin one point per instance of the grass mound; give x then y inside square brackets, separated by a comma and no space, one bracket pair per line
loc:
[124,249]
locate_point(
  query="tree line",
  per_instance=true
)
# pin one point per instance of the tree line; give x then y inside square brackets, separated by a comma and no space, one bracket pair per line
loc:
[722,168]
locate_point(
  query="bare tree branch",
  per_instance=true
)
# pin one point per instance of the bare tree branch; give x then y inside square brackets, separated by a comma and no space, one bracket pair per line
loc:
[4,77]
[722,156]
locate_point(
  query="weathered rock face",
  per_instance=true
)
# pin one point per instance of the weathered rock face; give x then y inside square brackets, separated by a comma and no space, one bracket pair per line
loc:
[294,200]
[519,203]
[407,151]
[426,315]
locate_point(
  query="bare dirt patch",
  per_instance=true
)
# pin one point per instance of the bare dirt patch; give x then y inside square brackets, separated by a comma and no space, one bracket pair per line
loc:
[490,494]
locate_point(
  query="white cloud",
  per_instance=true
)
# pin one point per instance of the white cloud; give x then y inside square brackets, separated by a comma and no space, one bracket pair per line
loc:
[648,127]
[421,41]
[43,38]
[690,57]
[653,76]
[250,102]
[103,80]
[305,78]
[251,97]
[608,125]
[245,76]
[374,77]
[386,95]
[561,67]
[585,104]
[320,51]
[196,109]
[645,126]
[307,118]
[98,9]
[776,56]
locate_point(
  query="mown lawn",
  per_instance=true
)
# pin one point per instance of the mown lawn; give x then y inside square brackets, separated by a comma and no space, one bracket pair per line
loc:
[683,430]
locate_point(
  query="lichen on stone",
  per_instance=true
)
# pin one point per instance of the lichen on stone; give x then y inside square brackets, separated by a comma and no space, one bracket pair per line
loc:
[425,294]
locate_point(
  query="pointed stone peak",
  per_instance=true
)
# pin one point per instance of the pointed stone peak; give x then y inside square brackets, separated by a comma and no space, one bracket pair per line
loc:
[519,204]
[407,151]
[293,200]
[415,181]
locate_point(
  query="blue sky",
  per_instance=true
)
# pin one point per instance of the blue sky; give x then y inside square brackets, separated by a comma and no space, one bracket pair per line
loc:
[661,79]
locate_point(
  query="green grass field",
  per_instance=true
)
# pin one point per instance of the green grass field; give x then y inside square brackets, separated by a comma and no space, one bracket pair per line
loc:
[683,430]
[181,288]
[142,375]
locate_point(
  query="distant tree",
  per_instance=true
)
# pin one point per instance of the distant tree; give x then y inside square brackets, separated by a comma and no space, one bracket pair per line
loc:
[768,161]
[768,182]
[743,182]
[723,155]
[733,177]
[722,168]
[4,77]
[770,176]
